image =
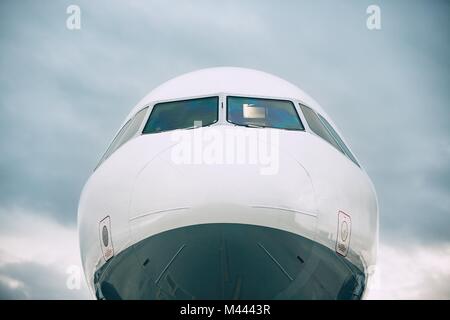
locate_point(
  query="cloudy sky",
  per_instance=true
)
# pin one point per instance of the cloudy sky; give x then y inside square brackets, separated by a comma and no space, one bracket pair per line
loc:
[63,94]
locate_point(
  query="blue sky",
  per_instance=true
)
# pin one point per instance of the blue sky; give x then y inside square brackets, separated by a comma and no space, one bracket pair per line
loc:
[63,94]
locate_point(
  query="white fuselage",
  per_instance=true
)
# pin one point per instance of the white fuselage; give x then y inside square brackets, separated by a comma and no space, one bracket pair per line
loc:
[303,186]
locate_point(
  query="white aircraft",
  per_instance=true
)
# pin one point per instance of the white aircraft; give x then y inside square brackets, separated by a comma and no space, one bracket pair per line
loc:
[228,183]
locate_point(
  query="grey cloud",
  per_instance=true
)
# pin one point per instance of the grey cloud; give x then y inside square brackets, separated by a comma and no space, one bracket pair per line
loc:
[37,282]
[11,293]
[64,93]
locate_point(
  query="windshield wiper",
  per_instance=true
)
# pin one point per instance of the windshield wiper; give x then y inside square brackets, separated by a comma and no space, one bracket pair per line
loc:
[251,125]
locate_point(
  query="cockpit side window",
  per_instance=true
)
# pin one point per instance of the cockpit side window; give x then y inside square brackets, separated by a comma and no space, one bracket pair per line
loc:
[320,126]
[317,126]
[184,114]
[339,140]
[259,112]
[128,131]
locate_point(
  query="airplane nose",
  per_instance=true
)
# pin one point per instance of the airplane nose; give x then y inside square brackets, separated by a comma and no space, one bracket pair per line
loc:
[220,193]
[225,231]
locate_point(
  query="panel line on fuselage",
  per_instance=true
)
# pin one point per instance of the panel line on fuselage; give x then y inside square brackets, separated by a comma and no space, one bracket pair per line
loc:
[168,265]
[276,262]
[155,212]
[286,209]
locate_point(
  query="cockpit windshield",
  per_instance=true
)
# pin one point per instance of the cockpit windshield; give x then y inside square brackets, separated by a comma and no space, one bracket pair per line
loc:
[183,114]
[258,112]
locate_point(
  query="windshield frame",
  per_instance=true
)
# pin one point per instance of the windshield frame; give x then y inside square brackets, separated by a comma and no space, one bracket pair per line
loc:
[303,129]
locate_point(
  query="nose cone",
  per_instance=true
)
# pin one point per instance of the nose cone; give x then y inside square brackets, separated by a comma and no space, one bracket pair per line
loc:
[225,230]
[273,191]
[272,179]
